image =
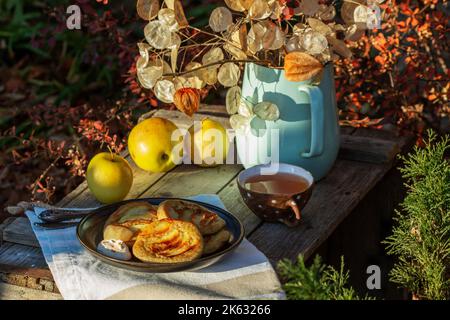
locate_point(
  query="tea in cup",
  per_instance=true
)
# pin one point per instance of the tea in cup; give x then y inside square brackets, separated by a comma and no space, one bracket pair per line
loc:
[278,196]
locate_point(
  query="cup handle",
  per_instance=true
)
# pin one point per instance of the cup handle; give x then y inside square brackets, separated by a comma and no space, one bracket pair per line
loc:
[317,120]
[291,203]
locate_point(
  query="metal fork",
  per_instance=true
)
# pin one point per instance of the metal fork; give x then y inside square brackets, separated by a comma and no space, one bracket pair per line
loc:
[54,226]
[56,215]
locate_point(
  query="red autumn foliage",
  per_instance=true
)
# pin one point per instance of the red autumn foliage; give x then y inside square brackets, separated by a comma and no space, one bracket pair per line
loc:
[400,73]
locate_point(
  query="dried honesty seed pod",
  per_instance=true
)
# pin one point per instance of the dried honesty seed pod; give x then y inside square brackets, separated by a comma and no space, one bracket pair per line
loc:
[269,34]
[347,11]
[267,111]
[212,56]
[175,41]
[278,40]
[245,109]
[196,82]
[308,7]
[180,82]
[319,26]
[147,9]
[149,75]
[167,17]
[353,33]
[337,27]
[191,66]
[174,46]
[233,99]
[325,56]
[158,34]
[141,63]
[293,44]
[273,37]
[361,15]
[246,3]
[229,74]
[187,100]
[339,47]
[232,36]
[170,4]
[179,14]
[240,123]
[236,5]
[144,55]
[259,10]
[255,37]
[166,68]
[220,19]
[314,42]
[209,75]
[164,91]
[327,13]
[277,9]
[195,77]
[299,29]
[300,66]
[190,82]
[237,53]
[144,48]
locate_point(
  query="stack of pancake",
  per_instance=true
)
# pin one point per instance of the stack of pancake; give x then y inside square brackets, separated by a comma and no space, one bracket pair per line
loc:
[174,231]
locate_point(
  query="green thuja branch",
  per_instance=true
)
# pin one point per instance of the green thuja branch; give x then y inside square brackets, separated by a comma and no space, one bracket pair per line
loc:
[421,238]
[316,282]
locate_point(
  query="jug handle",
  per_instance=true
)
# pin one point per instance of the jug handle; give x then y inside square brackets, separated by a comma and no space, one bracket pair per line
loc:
[317,120]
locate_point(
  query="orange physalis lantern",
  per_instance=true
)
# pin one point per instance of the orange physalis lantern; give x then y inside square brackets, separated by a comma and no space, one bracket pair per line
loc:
[187,100]
[300,66]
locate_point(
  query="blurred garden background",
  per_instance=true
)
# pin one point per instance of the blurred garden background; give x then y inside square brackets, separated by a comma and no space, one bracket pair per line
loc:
[66,94]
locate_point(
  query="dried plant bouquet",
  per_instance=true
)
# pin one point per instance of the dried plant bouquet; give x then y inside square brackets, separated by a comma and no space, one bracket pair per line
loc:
[178,60]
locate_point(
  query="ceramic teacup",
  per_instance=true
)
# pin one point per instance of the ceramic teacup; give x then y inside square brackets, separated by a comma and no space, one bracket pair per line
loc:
[276,207]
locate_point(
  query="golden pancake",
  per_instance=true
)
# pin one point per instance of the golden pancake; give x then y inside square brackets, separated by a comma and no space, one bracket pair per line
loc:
[128,220]
[206,221]
[216,241]
[168,241]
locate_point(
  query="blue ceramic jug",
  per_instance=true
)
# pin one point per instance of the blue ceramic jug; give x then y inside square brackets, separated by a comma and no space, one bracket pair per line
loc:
[307,132]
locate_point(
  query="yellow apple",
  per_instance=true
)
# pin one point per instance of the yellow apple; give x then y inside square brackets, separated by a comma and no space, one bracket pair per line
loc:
[109,177]
[151,146]
[206,141]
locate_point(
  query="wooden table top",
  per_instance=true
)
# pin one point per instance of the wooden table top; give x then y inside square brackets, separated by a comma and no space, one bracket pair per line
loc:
[365,157]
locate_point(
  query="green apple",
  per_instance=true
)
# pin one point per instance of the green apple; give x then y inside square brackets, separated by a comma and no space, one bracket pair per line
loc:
[109,177]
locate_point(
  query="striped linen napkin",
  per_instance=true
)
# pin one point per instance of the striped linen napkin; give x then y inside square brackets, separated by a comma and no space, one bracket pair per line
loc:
[245,273]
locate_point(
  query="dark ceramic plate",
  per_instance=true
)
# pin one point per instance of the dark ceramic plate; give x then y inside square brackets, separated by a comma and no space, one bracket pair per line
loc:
[90,233]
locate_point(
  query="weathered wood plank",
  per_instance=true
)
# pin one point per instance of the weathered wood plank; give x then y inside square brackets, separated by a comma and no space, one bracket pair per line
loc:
[3,225]
[72,195]
[366,149]
[13,292]
[32,282]
[332,200]
[20,231]
[218,110]
[404,142]
[21,256]
[347,130]
[190,180]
